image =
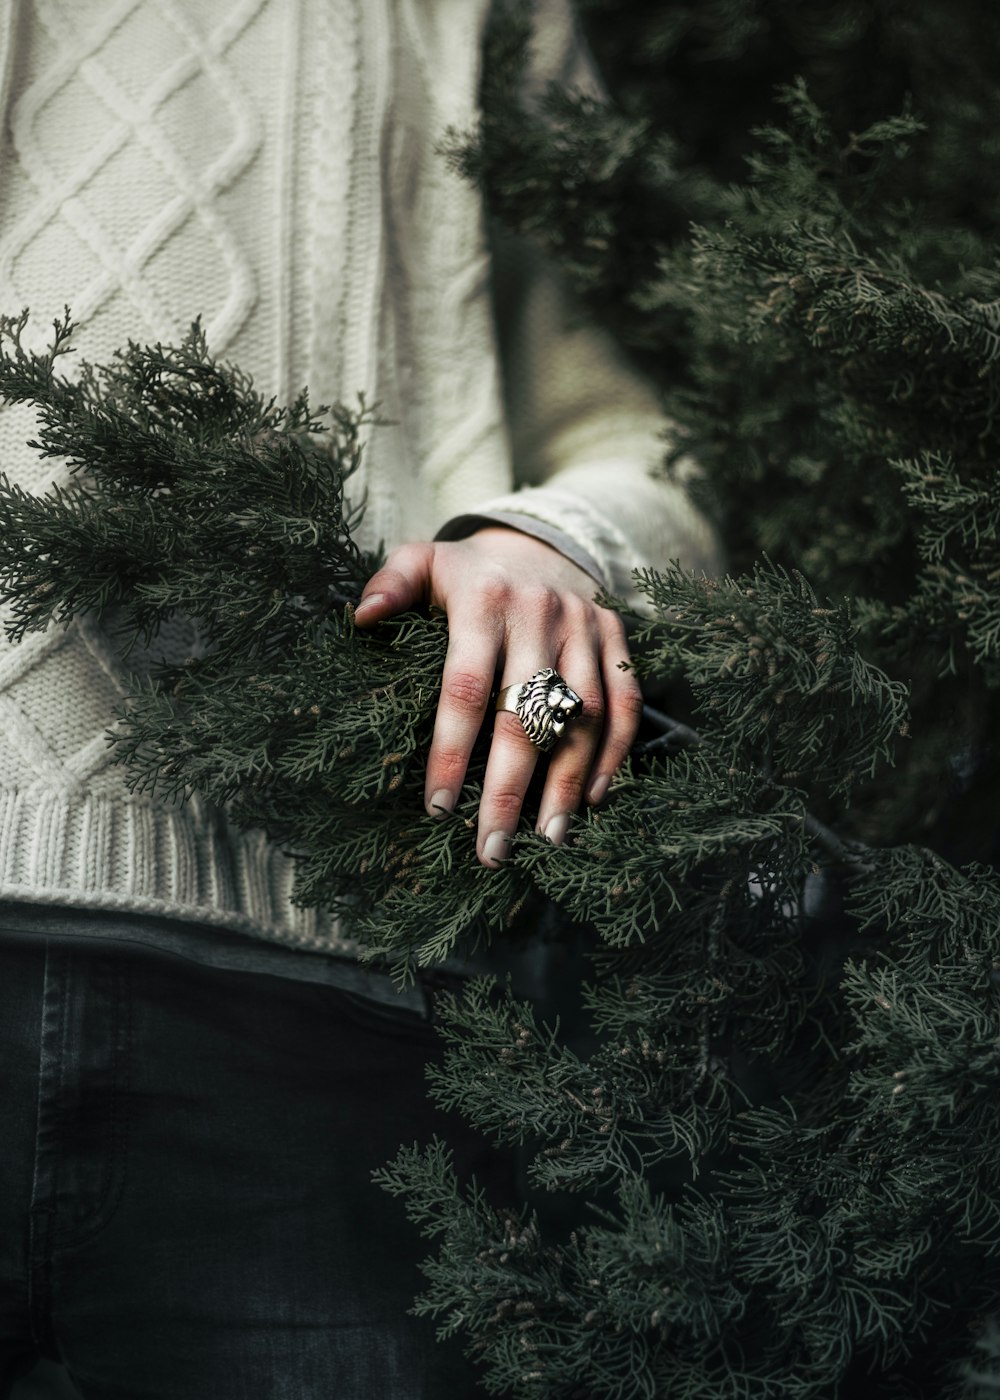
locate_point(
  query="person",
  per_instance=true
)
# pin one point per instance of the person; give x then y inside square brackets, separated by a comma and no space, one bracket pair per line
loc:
[197,1077]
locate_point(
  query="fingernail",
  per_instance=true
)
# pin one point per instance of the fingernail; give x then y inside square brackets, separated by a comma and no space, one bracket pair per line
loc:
[442,801]
[369,602]
[557,828]
[497,847]
[598,789]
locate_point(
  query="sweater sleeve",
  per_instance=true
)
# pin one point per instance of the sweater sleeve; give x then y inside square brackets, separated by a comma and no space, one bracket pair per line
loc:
[587,433]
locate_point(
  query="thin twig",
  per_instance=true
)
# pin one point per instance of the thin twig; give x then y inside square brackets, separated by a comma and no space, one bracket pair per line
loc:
[674,733]
[852,855]
[678,735]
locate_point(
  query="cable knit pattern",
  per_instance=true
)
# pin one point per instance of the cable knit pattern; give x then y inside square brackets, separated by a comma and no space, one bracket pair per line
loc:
[271,166]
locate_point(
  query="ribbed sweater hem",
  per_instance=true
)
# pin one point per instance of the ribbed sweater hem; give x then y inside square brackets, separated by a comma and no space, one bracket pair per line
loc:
[85,851]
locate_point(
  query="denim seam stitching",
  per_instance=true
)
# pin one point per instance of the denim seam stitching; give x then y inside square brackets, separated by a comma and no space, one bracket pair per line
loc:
[114,1187]
[42,1215]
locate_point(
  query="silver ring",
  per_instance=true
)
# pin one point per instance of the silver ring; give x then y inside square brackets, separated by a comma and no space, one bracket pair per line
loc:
[544,705]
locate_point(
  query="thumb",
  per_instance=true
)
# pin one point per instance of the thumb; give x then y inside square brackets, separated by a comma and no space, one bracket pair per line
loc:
[402,582]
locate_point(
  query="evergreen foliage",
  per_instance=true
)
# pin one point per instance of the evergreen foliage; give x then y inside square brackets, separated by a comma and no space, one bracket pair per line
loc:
[762,1142]
[784,216]
[984,1378]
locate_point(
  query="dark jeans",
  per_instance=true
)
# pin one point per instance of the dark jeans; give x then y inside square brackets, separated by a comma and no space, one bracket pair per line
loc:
[186,1208]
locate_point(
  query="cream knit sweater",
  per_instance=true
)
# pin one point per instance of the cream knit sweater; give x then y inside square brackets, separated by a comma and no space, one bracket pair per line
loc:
[270,165]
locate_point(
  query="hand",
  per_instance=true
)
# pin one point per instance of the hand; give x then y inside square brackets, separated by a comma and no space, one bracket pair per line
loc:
[514,604]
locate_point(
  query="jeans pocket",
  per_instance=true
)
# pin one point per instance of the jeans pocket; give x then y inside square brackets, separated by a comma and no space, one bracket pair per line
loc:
[385,1019]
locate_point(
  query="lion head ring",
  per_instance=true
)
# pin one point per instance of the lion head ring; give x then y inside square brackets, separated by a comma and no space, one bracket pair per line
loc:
[544,705]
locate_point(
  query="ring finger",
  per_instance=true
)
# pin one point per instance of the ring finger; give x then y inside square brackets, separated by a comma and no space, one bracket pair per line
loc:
[512,761]
[573,756]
